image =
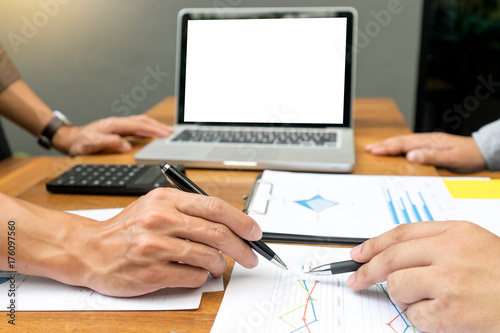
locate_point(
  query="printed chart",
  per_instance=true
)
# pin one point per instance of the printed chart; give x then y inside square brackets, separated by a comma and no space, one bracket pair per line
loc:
[291,301]
[349,205]
[317,203]
[406,207]
[319,304]
[305,312]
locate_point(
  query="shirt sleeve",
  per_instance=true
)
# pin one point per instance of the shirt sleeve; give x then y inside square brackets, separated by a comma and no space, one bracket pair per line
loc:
[488,140]
[8,73]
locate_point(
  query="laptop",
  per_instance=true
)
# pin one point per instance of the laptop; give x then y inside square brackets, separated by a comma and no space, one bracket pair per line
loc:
[263,88]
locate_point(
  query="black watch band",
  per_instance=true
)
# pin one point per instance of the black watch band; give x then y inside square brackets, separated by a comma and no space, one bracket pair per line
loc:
[45,139]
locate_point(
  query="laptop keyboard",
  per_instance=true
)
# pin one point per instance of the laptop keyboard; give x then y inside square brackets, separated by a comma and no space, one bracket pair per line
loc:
[302,137]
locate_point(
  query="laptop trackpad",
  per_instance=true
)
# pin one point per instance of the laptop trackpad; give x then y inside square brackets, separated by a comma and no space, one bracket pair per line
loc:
[242,153]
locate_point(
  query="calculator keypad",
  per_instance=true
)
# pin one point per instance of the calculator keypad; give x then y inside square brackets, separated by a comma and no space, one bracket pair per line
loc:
[109,179]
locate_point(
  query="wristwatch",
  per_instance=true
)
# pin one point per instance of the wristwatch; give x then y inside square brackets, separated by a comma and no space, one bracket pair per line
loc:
[58,120]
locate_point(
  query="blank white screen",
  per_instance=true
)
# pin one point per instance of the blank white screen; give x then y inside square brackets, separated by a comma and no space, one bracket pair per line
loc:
[266,70]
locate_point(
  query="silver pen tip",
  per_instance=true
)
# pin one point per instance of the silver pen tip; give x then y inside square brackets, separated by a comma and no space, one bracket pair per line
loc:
[282,262]
[278,262]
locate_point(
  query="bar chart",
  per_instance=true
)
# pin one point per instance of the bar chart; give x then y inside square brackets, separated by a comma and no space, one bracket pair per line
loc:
[406,207]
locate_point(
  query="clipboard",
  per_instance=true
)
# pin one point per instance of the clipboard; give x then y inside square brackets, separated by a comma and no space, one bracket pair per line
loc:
[257,202]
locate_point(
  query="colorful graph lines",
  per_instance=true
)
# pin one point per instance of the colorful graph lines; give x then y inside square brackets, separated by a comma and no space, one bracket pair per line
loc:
[404,323]
[307,310]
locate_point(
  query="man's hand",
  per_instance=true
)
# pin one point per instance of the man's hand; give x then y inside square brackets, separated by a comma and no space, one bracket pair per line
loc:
[456,153]
[107,135]
[445,274]
[166,238]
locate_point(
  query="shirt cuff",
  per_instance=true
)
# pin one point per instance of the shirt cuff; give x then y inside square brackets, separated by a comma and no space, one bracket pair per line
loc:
[487,139]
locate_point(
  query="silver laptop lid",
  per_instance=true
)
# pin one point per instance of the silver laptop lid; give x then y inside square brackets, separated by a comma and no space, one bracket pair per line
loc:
[288,67]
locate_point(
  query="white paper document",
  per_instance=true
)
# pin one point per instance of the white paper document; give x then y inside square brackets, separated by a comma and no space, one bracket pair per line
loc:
[347,205]
[42,294]
[269,299]
[484,212]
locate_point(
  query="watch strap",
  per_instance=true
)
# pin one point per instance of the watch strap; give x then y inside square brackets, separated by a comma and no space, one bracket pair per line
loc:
[45,139]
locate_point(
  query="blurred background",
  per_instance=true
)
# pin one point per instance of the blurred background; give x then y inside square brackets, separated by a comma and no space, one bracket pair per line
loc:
[459,70]
[89,58]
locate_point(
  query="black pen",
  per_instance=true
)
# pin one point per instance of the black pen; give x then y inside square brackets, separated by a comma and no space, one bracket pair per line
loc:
[336,268]
[183,183]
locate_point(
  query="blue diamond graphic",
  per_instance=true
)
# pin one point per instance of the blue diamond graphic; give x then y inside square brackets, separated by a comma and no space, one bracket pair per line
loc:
[317,203]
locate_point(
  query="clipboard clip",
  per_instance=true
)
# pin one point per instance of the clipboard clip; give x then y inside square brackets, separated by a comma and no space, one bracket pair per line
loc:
[258,200]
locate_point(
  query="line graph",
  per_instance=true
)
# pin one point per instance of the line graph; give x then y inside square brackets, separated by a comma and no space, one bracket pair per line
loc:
[294,302]
[311,304]
[305,314]
[402,317]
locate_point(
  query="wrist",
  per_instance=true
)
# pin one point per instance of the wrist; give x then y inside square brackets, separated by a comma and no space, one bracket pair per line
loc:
[51,243]
[63,138]
[58,120]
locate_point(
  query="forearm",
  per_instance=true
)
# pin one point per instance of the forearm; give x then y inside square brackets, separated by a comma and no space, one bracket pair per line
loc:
[48,243]
[22,106]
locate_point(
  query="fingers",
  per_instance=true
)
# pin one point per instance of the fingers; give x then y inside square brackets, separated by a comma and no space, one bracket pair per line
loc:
[139,280]
[401,256]
[140,125]
[432,156]
[439,271]
[179,275]
[405,143]
[457,153]
[461,155]
[409,245]
[412,285]
[106,135]
[216,210]
[427,316]
[211,221]
[219,236]
[193,254]
[96,143]
[369,249]
[399,144]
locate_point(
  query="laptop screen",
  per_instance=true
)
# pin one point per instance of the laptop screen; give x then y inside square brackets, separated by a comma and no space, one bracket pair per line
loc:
[286,71]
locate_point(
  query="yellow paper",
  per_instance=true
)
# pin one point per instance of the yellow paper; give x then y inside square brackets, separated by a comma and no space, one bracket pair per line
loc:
[474,189]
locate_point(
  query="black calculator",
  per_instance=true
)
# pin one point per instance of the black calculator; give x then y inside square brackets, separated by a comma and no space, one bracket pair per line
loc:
[132,179]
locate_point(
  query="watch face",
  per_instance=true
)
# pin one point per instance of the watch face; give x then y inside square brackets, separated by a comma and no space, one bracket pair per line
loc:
[62,116]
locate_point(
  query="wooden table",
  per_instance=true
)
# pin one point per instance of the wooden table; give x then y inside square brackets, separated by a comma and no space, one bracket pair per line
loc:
[375,119]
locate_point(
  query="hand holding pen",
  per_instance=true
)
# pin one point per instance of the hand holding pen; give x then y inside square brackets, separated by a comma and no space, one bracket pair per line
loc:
[183,183]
